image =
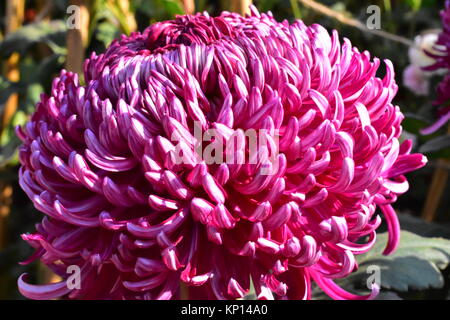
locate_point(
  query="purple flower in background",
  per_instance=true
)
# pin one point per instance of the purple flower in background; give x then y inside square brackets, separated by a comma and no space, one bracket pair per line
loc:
[416,80]
[101,160]
[442,58]
[415,76]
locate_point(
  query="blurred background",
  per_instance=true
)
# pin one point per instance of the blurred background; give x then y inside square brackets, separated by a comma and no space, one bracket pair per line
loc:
[35,44]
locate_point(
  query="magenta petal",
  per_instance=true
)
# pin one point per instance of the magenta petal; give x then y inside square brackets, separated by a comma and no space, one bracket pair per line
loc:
[337,293]
[393,228]
[43,291]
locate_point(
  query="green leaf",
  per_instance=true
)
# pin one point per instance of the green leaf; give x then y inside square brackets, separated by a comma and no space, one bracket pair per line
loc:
[161,9]
[415,265]
[414,123]
[106,32]
[173,7]
[296,9]
[6,89]
[8,153]
[9,142]
[52,33]
[414,4]
[424,228]
[436,144]
[266,5]
[31,97]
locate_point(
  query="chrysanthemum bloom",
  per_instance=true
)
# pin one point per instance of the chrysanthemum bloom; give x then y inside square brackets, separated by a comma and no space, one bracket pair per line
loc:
[415,77]
[99,160]
[442,57]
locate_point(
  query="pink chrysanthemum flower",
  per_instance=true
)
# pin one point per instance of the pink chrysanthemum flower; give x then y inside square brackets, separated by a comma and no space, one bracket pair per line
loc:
[442,62]
[99,160]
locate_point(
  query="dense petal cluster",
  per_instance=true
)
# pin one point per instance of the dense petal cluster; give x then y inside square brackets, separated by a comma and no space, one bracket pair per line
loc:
[442,57]
[100,161]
